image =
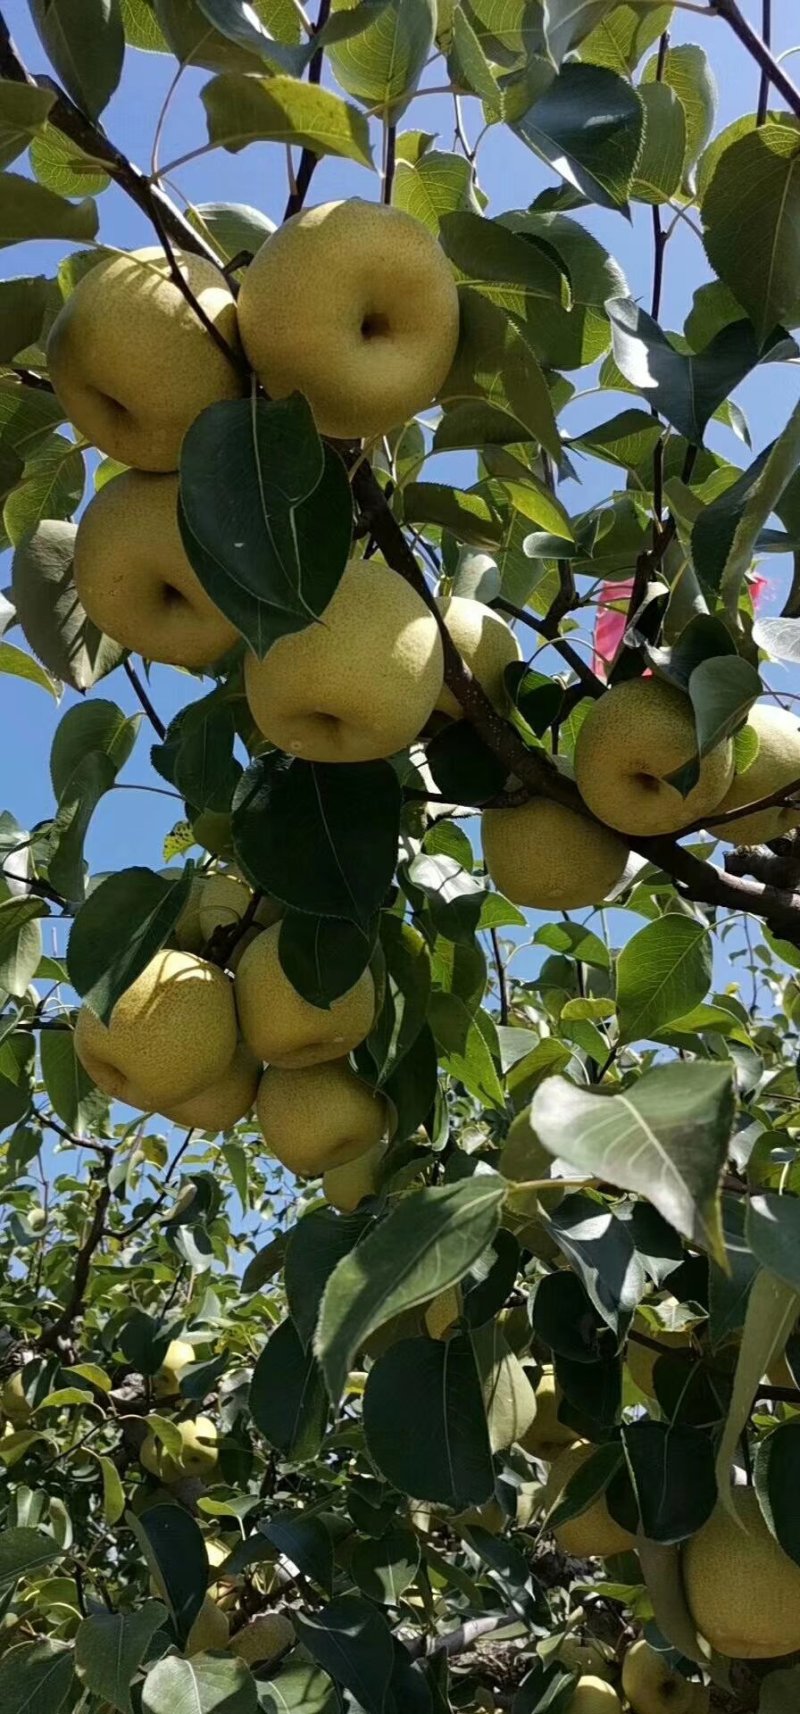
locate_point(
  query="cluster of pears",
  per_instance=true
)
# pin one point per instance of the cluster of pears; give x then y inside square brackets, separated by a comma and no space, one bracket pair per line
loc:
[190,1040]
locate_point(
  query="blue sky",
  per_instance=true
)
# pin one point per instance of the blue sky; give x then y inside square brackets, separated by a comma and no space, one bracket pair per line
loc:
[130,825]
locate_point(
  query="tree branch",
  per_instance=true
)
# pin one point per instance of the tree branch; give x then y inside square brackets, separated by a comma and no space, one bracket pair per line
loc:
[308,160]
[83,1263]
[458,1641]
[758,50]
[591,683]
[155,719]
[72,123]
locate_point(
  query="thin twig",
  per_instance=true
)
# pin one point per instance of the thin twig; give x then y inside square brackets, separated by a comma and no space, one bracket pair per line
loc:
[758,50]
[308,159]
[83,1263]
[389,159]
[158,1202]
[233,356]
[592,684]
[155,719]
[766,37]
[502,987]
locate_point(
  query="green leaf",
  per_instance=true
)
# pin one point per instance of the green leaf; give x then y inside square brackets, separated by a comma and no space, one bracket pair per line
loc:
[323,957]
[208,1684]
[629,439]
[23,1552]
[89,726]
[381,66]
[776,1471]
[672,1470]
[197,756]
[771,1314]
[266,515]
[463,1048]
[17,1052]
[51,616]
[352,1642]
[588,125]
[467,63]
[141,29]
[231,226]
[507,268]
[110,1647]
[36,1676]
[568,338]
[412,1085]
[92,743]
[70,1090]
[568,22]
[315,1245]
[59,164]
[176,1555]
[622,36]
[659,170]
[662,973]
[495,362]
[723,690]
[773,1225]
[235,44]
[23,112]
[317,836]
[22,308]
[113,1491]
[240,23]
[303,1539]
[428,1243]
[85,42]
[121,926]
[300,1689]
[20,665]
[726,534]
[435,1382]
[385,1568]
[288,1401]
[28,210]
[751,224]
[687,71]
[685,387]
[242,110]
[666,1139]
[51,486]
[406,995]
[20,943]
[436,184]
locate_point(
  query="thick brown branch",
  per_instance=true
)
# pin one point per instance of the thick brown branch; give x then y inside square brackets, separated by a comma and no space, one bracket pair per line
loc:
[68,119]
[783,795]
[758,50]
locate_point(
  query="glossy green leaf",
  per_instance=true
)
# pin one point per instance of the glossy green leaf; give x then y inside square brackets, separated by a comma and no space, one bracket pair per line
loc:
[110,1647]
[666,1138]
[495,363]
[435,185]
[85,42]
[685,387]
[323,957]
[428,1243]
[23,112]
[349,1639]
[751,225]
[37,1675]
[723,691]
[121,926]
[588,125]
[222,37]
[232,226]
[434,1381]
[51,486]
[315,1245]
[250,28]
[382,65]
[20,943]
[501,265]
[568,338]
[659,169]
[288,1401]
[725,536]
[242,110]
[266,515]
[662,973]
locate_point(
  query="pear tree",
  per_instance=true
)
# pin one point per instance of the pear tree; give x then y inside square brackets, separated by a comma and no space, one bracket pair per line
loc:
[400,1287]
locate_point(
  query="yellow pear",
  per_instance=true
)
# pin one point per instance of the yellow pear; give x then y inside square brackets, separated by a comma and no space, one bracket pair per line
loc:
[355,305]
[358,684]
[487,645]
[594,1696]
[594,1534]
[224,1103]
[283,1028]
[586,1658]
[13,1401]
[776,763]
[130,360]
[549,857]
[135,581]
[743,1590]
[215,901]
[171,1034]
[344,1187]
[651,1685]
[264,1640]
[633,738]
[444,1312]
[209,1631]
[547,1434]
[320,1117]
[166,1380]
[197,1457]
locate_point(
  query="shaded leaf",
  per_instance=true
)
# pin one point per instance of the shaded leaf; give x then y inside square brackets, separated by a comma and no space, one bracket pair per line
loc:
[121,926]
[23,112]
[672,1469]
[208,1684]
[37,1675]
[110,1647]
[29,210]
[51,616]
[85,41]
[436,1382]
[751,224]
[176,1555]
[349,1639]
[288,1401]
[588,125]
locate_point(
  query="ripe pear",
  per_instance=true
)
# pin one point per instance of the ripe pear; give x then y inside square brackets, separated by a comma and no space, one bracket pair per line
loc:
[743,1591]
[487,645]
[264,1640]
[344,1187]
[135,581]
[283,1028]
[215,901]
[633,738]
[171,1034]
[549,857]
[130,360]
[355,305]
[13,1401]
[166,1380]
[651,1685]
[209,1631]
[444,1312]
[198,1455]
[358,684]
[776,763]
[224,1103]
[594,1696]
[547,1435]
[320,1117]
[593,1534]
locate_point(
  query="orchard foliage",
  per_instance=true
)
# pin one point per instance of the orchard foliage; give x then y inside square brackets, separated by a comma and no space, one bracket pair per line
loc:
[346,1436]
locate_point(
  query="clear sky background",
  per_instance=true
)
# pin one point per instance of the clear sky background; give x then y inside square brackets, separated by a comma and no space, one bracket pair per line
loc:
[130,825]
